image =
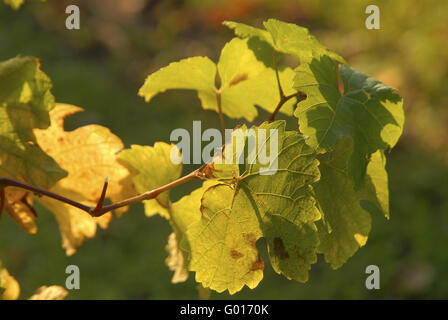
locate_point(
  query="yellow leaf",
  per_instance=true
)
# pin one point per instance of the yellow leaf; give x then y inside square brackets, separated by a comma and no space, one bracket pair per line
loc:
[176,261]
[11,286]
[18,206]
[152,168]
[88,154]
[49,293]
[25,102]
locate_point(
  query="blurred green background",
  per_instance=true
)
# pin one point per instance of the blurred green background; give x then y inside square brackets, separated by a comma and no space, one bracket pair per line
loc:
[101,67]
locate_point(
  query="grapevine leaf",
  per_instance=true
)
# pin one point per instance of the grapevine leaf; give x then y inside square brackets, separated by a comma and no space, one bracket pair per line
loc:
[245,81]
[244,31]
[9,285]
[184,212]
[266,94]
[376,190]
[176,260]
[155,169]
[25,102]
[89,155]
[368,111]
[345,209]
[250,79]
[293,39]
[237,66]
[197,73]
[286,38]
[279,207]
[20,210]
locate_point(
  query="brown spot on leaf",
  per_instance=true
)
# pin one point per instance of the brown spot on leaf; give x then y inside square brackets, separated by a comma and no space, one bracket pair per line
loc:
[279,249]
[238,78]
[258,264]
[235,254]
[251,239]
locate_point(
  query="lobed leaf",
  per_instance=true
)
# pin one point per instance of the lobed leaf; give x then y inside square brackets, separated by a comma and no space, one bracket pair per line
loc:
[154,169]
[245,81]
[367,111]
[279,207]
[286,38]
[346,209]
[25,103]
[88,153]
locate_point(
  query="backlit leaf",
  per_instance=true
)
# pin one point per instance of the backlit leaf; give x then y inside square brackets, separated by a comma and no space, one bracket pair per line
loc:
[347,220]
[368,111]
[286,38]
[25,102]
[10,289]
[279,207]
[154,169]
[244,79]
[88,153]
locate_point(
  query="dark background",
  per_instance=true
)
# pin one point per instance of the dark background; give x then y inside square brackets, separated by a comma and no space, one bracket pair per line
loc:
[102,66]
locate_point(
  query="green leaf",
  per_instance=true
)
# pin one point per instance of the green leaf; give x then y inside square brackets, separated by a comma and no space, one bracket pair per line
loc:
[376,189]
[293,39]
[186,210]
[368,111]
[245,80]
[154,169]
[183,213]
[197,73]
[346,219]
[246,59]
[25,102]
[279,207]
[244,31]
[151,167]
[286,38]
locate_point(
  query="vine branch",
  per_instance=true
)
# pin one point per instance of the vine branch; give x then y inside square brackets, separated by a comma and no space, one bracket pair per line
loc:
[282,101]
[99,209]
